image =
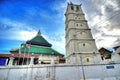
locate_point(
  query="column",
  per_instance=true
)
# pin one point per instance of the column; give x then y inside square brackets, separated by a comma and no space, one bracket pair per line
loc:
[101,78]
[6,62]
[52,61]
[11,61]
[32,60]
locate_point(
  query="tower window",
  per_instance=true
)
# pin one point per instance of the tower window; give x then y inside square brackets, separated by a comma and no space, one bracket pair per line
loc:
[75,17]
[81,24]
[76,24]
[74,35]
[72,8]
[87,59]
[84,44]
[77,8]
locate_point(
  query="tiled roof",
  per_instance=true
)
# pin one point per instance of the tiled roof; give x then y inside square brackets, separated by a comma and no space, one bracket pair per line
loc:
[38,45]
[38,50]
[39,40]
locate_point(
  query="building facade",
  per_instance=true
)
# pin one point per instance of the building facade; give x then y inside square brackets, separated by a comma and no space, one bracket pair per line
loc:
[80,45]
[105,53]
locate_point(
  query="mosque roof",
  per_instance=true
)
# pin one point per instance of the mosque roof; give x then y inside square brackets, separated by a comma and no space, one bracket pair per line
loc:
[39,40]
[36,50]
[37,45]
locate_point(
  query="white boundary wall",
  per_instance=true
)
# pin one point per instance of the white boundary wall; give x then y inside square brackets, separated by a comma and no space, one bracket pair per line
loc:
[61,72]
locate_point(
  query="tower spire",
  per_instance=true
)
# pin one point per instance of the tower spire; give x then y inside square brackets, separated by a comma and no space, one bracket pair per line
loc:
[39,33]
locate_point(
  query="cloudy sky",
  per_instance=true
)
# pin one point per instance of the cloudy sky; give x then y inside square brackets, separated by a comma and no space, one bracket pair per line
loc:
[20,20]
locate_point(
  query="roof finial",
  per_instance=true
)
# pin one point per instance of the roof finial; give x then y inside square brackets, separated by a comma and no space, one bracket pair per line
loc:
[71,2]
[39,33]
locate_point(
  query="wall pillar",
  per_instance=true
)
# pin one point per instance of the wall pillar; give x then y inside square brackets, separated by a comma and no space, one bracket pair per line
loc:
[32,60]
[52,60]
[6,62]
[11,61]
[102,78]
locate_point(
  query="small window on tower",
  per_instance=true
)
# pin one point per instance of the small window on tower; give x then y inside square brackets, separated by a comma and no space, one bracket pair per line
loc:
[72,8]
[87,59]
[77,8]
[83,44]
[75,17]
[76,24]
[81,25]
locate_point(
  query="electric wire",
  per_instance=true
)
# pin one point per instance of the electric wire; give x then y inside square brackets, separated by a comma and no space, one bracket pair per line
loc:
[112,15]
[94,7]
[102,21]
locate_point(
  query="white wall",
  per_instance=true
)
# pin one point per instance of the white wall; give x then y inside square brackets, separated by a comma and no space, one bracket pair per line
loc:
[60,72]
[116,56]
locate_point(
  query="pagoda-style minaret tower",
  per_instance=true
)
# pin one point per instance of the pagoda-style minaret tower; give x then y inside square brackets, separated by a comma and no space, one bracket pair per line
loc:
[80,45]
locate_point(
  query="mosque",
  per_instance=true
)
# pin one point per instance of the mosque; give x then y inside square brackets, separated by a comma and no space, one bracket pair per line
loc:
[83,60]
[80,45]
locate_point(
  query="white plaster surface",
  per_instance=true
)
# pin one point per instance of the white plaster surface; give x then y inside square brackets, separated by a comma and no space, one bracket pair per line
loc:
[60,72]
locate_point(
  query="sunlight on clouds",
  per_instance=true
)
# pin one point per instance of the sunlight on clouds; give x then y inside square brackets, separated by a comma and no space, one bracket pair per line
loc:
[21,35]
[12,23]
[26,35]
[107,38]
[103,31]
[59,46]
[58,43]
[105,42]
[114,32]
[17,31]
[103,9]
[16,25]
[113,4]
[96,19]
